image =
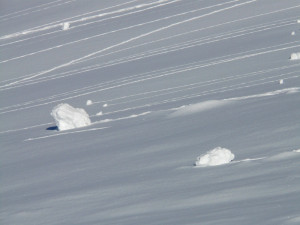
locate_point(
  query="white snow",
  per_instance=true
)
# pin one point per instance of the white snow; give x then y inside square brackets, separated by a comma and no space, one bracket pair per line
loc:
[105,105]
[293,33]
[281,81]
[89,102]
[65,26]
[215,157]
[67,117]
[295,56]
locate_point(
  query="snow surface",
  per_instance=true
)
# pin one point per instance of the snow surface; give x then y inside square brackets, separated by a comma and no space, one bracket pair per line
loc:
[179,77]
[67,117]
[215,157]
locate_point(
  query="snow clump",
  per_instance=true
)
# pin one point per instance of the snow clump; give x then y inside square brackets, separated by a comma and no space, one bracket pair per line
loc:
[65,26]
[105,105]
[293,33]
[68,117]
[281,81]
[89,102]
[215,157]
[295,56]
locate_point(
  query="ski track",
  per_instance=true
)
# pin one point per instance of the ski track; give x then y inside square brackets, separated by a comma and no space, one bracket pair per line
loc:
[65,133]
[131,40]
[125,82]
[57,24]
[203,41]
[143,55]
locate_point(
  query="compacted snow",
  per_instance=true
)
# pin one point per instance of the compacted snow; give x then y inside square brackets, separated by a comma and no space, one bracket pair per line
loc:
[169,80]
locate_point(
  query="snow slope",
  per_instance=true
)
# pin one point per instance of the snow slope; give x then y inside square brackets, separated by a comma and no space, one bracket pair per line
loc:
[172,79]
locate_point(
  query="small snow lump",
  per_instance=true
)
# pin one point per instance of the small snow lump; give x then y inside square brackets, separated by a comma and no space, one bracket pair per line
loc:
[215,157]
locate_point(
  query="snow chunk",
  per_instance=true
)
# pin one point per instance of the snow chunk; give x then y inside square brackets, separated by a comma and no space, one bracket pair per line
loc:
[89,102]
[295,56]
[104,105]
[99,113]
[215,157]
[293,33]
[65,26]
[281,81]
[67,117]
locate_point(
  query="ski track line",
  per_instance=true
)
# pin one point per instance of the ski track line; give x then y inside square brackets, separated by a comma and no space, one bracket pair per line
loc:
[25,128]
[125,83]
[54,24]
[37,10]
[65,133]
[205,93]
[186,87]
[203,38]
[184,67]
[32,8]
[151,53]
[60,22]
[102,34]
[133,39]
[239,20]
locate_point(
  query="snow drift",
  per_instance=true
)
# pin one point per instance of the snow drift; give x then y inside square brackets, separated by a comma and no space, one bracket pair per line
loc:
[214,157]
[68,117]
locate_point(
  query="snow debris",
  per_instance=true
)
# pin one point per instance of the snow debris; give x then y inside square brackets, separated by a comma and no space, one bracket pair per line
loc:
[281,81]
[67,117]
[214,157]
[89,102]
[99,113]
[105,105]
[298,21]
[295,56]
[65,26]
[293,33]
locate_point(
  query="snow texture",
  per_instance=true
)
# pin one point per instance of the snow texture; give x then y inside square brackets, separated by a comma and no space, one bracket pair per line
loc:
[215,157]
[66,117]
[295,56]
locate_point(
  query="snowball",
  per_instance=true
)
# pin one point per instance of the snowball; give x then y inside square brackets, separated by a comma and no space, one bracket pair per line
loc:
[67,117]
[89,102]
[293,33]
[65,26]
[217,156]
[295,56]
[105,105]
[281,81]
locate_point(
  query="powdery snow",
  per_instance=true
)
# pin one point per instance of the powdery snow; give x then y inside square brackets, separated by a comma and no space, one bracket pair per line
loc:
[215,157]
[68,117]
[295,56]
